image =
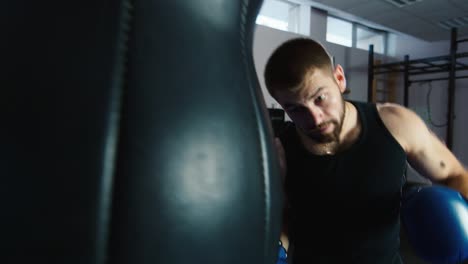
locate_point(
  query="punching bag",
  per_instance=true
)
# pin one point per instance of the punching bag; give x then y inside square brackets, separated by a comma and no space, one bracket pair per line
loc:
[135,132]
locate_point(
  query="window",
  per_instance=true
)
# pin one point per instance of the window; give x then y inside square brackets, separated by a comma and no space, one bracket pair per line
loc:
[282,15]
[351,34]
[366,37]
[339,31]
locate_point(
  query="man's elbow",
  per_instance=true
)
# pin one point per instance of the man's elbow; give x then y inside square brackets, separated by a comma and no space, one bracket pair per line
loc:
[458,182]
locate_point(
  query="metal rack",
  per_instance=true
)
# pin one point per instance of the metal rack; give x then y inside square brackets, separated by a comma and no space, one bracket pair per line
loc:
[440,64]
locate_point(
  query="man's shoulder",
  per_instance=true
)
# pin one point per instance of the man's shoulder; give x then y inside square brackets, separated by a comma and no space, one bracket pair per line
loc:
[393,111]
[403,123]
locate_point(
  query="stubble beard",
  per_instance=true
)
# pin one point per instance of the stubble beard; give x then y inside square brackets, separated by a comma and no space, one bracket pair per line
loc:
[334,136]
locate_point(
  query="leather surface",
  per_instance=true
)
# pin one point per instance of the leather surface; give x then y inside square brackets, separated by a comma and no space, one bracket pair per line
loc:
[134,133]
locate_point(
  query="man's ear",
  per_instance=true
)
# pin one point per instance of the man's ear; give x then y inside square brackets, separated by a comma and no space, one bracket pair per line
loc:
[340,77]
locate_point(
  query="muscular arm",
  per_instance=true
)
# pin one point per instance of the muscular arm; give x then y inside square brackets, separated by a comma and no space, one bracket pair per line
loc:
[426,153]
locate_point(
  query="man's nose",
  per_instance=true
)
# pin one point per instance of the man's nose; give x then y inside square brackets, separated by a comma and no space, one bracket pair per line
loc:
[315,114]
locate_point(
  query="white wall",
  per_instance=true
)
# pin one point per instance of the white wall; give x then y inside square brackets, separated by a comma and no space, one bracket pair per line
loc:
[355,63]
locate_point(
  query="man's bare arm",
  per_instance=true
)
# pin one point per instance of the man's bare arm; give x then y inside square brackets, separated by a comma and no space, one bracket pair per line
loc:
[426,152]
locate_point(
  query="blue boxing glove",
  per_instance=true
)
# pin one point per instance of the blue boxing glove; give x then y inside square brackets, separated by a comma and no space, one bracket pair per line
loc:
[282,254]
[435,219]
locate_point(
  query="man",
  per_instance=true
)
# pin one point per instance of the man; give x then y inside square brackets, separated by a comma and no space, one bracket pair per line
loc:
[345,161]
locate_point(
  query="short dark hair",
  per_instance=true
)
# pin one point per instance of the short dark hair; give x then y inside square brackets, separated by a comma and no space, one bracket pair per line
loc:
[292,61]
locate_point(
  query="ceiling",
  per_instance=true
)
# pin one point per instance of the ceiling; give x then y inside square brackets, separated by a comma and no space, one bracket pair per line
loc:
[429,20]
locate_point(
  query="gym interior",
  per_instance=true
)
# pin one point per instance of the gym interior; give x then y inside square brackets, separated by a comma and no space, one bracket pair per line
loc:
[137,131]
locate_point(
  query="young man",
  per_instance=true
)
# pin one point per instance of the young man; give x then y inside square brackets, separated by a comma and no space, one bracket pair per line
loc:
[346,160]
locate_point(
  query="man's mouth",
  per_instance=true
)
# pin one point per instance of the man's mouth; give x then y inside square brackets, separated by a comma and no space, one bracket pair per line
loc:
[321,128]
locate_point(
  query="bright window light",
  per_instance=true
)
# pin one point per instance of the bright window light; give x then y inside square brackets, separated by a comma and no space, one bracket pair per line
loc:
[366,37]
[339,32]
[272,22]
[279,14]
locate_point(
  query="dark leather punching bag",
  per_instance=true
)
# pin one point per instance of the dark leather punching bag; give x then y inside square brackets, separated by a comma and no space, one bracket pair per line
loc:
[134,132]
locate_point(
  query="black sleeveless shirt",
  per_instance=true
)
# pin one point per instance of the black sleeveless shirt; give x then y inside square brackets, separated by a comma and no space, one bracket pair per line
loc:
[344,208]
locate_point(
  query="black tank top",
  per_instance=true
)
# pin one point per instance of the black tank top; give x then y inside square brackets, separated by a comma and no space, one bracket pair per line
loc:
[344,208]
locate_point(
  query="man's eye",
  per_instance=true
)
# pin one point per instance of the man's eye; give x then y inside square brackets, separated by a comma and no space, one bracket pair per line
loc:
[321,97]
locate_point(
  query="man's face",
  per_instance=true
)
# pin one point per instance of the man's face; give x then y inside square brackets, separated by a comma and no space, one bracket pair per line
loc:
[318,109]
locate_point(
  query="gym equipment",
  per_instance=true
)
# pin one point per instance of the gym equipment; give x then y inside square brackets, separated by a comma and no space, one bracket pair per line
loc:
[134,132]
